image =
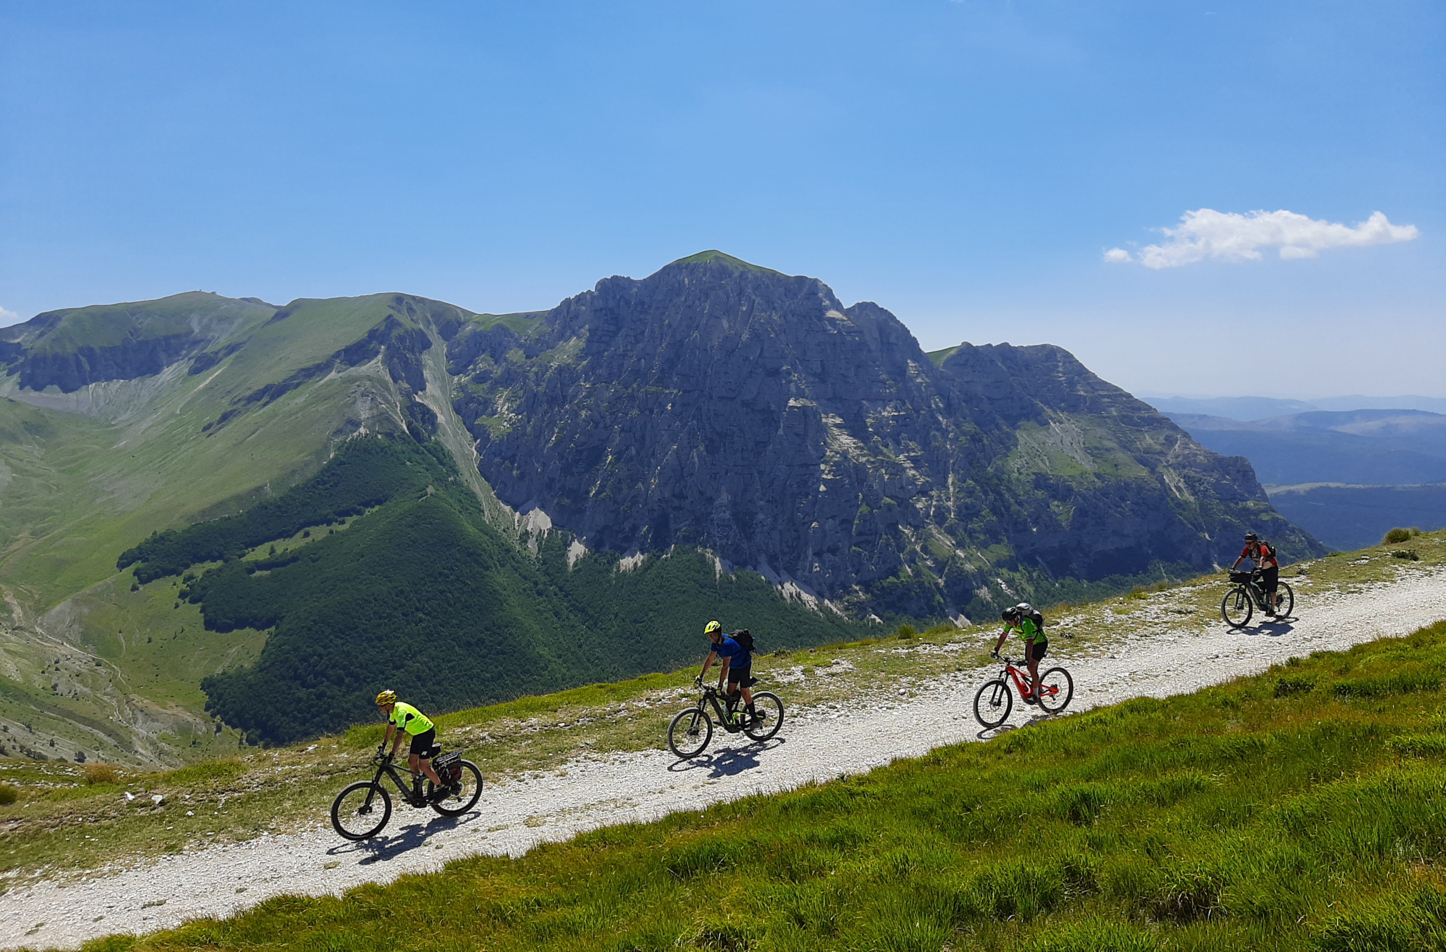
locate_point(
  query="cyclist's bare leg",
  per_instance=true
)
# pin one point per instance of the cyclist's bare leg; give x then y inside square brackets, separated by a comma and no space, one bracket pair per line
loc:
[1034,675]
[421,765]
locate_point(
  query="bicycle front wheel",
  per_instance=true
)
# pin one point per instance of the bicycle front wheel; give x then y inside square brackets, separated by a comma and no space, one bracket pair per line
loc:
[1287,601]
[992,704]
[361,810]
[462,796]
[1056,687]
[689,733]
[769,719]
[1235,607]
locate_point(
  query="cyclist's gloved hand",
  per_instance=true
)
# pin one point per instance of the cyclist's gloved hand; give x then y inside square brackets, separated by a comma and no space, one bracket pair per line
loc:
[994,654]
[698,680]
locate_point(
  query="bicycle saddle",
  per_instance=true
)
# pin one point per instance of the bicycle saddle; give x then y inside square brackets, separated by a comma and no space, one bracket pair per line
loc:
[436,749]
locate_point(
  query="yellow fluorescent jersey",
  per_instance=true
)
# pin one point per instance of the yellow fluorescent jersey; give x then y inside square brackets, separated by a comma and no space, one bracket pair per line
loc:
[409,719]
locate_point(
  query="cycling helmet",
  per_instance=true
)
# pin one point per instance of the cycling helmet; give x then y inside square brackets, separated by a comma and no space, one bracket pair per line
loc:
[386,697]
[711,627]
[1251,537]
[1010,614]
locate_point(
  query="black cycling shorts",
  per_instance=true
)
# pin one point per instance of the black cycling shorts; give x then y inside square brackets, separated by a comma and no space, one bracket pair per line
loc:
[422,743]
[1041,648]
[736,675]
[1270,580]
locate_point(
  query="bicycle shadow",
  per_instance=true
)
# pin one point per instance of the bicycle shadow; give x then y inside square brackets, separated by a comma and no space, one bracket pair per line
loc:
[989,733]
[387,846]
[730,762]
[1273,627]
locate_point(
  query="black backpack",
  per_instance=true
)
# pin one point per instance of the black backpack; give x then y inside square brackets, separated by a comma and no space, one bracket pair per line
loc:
[744,639]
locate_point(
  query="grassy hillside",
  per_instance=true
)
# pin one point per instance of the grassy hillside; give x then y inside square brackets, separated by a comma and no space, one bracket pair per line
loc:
[422,594]
[1302,808]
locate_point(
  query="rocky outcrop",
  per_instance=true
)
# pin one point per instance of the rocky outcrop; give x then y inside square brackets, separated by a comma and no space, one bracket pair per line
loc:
[751,413]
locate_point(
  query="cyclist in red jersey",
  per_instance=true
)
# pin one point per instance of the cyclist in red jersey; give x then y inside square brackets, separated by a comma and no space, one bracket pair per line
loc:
[1263,555]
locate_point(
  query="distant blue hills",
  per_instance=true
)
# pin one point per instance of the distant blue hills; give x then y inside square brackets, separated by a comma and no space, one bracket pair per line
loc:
[1347,469]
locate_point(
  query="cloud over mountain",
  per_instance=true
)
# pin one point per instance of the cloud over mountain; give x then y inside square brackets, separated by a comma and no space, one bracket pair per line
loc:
[1206,234]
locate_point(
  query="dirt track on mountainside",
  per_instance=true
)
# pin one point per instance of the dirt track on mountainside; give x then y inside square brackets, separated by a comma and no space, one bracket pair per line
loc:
[1162,656]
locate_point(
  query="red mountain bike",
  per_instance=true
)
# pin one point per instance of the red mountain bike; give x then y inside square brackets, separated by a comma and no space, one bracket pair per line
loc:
[993,702]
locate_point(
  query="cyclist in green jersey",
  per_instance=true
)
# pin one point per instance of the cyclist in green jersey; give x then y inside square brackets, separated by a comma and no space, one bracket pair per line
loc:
[1020,620]
[405,720]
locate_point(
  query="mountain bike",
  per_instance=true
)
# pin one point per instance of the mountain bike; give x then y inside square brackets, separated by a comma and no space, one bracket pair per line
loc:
[993,702]
[361,810]
[691,730]
[1241,601]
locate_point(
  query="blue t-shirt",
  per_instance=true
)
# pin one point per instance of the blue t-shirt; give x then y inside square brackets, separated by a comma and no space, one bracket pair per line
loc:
[738,656]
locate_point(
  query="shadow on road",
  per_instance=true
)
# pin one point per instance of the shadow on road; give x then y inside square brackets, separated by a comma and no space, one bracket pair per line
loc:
[383,847]
[1273,627]
[730,762]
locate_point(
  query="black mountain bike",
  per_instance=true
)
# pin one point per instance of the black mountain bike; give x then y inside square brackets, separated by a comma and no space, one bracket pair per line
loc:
[361,810]
[1241,601]
[692,729]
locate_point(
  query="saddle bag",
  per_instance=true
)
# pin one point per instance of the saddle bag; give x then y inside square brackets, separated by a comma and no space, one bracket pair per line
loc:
[449,766]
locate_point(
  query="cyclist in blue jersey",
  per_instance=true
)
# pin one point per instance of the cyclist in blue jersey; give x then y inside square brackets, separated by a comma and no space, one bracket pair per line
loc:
[735,674]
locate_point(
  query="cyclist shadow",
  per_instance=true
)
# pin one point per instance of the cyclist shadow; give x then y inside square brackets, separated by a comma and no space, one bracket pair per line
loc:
[991,732]
[1273,627]
[385,847]
[730,762]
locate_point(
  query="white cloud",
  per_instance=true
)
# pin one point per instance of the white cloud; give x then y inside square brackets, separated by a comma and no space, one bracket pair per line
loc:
[1206,234]
[8,317]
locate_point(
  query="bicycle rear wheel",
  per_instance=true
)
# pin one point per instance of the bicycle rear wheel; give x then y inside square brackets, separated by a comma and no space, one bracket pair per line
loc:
[1286,603]
[1056,688]
[770,716]
[464,795]
[992,704]
[689,733]
[1235,607]
[361,810]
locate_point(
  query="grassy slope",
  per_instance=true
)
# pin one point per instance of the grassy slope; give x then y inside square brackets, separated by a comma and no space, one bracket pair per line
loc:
[1178,821]
[99,470]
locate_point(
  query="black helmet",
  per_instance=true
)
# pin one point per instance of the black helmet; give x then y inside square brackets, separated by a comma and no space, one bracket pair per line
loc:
[1251,537]
[1010,614]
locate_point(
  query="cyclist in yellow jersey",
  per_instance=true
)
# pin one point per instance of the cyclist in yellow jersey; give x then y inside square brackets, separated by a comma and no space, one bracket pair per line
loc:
[407,720]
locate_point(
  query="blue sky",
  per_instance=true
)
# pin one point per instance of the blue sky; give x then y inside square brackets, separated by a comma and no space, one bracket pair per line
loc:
[968,165]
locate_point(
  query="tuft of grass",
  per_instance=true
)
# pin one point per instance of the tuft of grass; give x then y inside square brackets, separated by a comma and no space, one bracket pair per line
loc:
[8,794]
[100,773]
[1399,535]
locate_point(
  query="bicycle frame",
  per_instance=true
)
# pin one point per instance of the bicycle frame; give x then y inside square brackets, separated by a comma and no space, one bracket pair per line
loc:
[390,769]
[1021,680]
[711,696]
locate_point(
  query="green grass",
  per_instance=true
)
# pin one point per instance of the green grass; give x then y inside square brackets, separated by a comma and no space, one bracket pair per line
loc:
[1233,818]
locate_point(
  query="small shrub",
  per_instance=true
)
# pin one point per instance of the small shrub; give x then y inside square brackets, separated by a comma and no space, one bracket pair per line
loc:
[8,794]
[906,632]
[101,773]
[1396,536]
[1137,592]
[1408,554]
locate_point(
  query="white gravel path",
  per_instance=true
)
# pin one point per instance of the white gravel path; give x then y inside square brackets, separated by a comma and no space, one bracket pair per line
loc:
[1156,658]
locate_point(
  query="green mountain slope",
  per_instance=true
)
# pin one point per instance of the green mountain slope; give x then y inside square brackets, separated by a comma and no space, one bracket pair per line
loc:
[422,594]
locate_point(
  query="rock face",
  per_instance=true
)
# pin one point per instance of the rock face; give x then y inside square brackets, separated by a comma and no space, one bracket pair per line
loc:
[751,413]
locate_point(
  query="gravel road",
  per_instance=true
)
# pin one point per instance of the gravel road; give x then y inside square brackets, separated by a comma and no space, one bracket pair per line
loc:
[1157,656]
